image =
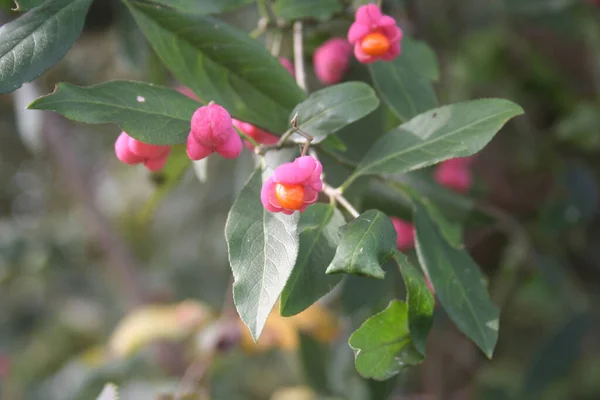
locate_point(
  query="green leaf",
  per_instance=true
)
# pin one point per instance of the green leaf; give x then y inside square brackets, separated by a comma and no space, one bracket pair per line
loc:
[203,7]
[36,40]
[328,110]
[319,236]
[420,58]
[24,5]
[263,247]
[382,345]
[318,9]
[407,92]
[420,302]
[367,242]
[458,283]
[222,64]
[334,143]
[457,130]
[313,356]
[152,114]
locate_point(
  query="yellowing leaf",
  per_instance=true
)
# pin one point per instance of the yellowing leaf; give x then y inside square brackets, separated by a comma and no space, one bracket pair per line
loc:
[157,322]
[283,333]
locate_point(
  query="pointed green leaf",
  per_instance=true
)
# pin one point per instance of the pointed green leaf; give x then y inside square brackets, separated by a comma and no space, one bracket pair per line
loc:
[367,242]
[318,9]
[420,302]
[150,113]
[221,64]
[37,39]
[319,236]
[262,252]
[382,345]
[421,58]
[204,7]
[457,130]
[407,92]
[458,283]
[328,110]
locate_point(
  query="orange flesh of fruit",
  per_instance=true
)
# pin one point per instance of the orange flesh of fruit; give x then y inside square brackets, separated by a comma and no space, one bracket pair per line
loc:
[375,44]
[291,197]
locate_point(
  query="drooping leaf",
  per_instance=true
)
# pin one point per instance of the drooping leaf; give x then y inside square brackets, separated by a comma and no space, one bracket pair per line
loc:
[263,247]
[204,7]
[419,300]
[458,283]
[457,130]
[221,64]
[382,345]
[421,58]
[38,39]
[150,113]
[328,110]
[319,236]
[313,356]
[367,242]
[318,9]
[407,92]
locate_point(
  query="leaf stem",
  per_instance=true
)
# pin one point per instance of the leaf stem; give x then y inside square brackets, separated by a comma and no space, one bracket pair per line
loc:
[336,194]
[248,138]
[299,55]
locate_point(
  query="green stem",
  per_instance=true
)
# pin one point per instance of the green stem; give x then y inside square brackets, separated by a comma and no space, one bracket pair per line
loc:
[246,137]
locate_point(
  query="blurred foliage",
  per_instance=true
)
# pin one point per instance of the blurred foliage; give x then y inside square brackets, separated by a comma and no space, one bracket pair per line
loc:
[62,299]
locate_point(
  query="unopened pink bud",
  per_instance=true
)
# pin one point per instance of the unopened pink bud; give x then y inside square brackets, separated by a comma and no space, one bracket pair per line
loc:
[131,151]
[454,174]
[262,137]
[212,131]
[287,64]
[331,60]
[405,234]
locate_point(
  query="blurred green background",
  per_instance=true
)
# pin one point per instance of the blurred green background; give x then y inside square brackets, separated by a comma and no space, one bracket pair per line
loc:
[84,239]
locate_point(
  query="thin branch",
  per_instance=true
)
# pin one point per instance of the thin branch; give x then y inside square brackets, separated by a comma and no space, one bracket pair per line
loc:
[336,195]
[299,55]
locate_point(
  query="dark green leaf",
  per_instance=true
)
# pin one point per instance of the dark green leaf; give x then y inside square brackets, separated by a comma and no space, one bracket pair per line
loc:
[420,302]
[318,9]
[457,130]
[152,114]
[367,242]
[407,92]
[382,345]
[328,110]
[221,64]
[319,236]
[420,58]
[24,5]
[334,143]
[314,363]
[36,40]
[458,283]
[263,247]
[203,7]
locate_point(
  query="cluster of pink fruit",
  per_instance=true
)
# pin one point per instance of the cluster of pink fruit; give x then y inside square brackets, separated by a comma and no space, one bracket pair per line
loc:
[295,185]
